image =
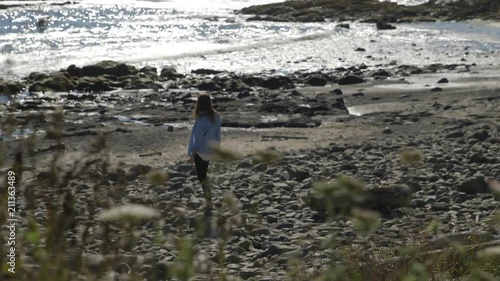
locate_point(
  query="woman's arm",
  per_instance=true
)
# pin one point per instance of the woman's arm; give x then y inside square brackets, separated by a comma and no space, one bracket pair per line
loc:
[192,139]
[218,124]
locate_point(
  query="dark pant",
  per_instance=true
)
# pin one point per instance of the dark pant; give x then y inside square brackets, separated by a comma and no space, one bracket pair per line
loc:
[201,168]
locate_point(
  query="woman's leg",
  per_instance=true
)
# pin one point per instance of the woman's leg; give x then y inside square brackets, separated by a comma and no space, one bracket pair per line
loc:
[201,168]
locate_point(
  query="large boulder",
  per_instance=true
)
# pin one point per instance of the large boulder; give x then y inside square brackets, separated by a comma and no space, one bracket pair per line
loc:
[138,83]
[350,79]
[479,184]
[251,81]
[107,67]
[279,107]
[92,70]
[10,87]
[37,76]
[58,82]
[481,135]
[276,82]
[93,84]
[120,69]
[170,73]
[74,71]
[333,100]
[375,198]
[138,170]
[382,25]
[236,85]
[204,71]
[210,86]
[381,73]
[316,80]
[388,197]
[152,71]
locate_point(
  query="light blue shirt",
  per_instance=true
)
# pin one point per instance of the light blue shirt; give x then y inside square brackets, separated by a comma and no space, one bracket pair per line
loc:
[205,131]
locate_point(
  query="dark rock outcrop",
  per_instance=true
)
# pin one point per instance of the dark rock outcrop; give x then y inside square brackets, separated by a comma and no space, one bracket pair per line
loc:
[10,87]
[375,198]
[74,71]
[108,67]
[476,185]
[277,82]
[210,86]
[203,71]
[316,80]
[350,79]
[93,84]
[382,25]
[170,73]
[59,82]
[379,12]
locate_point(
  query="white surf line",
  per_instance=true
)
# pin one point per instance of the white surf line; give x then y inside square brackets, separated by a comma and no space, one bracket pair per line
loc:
[231,49]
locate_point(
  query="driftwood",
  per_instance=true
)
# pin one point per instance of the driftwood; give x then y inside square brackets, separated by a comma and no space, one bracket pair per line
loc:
[286,137]
[150,154]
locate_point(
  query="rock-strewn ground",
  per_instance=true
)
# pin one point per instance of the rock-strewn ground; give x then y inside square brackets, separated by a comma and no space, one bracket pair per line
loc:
[373,11]
[457,129]
[111,92]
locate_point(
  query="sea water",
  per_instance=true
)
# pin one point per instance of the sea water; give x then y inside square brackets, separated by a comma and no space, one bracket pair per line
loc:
[208,34]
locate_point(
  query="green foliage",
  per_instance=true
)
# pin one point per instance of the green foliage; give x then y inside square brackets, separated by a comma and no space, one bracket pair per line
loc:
[365,221]
[3,153]
[479,275]
[225,155]
[411,156]
[418,272]
[338,196]
[158,177]
[183,268]
[267,156]
[495,219]
[433,227]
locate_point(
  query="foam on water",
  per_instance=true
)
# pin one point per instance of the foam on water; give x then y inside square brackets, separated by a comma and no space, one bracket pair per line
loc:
[206,34]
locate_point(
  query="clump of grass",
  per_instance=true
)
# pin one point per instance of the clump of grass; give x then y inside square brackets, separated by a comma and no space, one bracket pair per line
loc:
[267,156]
[365,221]
[158,177]
[224,155]
[411,156]
[338,196]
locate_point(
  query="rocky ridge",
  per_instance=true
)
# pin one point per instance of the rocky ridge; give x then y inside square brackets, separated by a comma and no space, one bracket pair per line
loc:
[373,11]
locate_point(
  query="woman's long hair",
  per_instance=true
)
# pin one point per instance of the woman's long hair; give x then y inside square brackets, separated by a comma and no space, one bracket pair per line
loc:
[204,104]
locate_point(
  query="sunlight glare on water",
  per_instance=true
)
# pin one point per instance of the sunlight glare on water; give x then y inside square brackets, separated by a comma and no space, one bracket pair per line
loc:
[207,34]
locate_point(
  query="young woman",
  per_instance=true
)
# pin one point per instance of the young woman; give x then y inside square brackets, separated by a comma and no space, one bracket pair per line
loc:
[205,134]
